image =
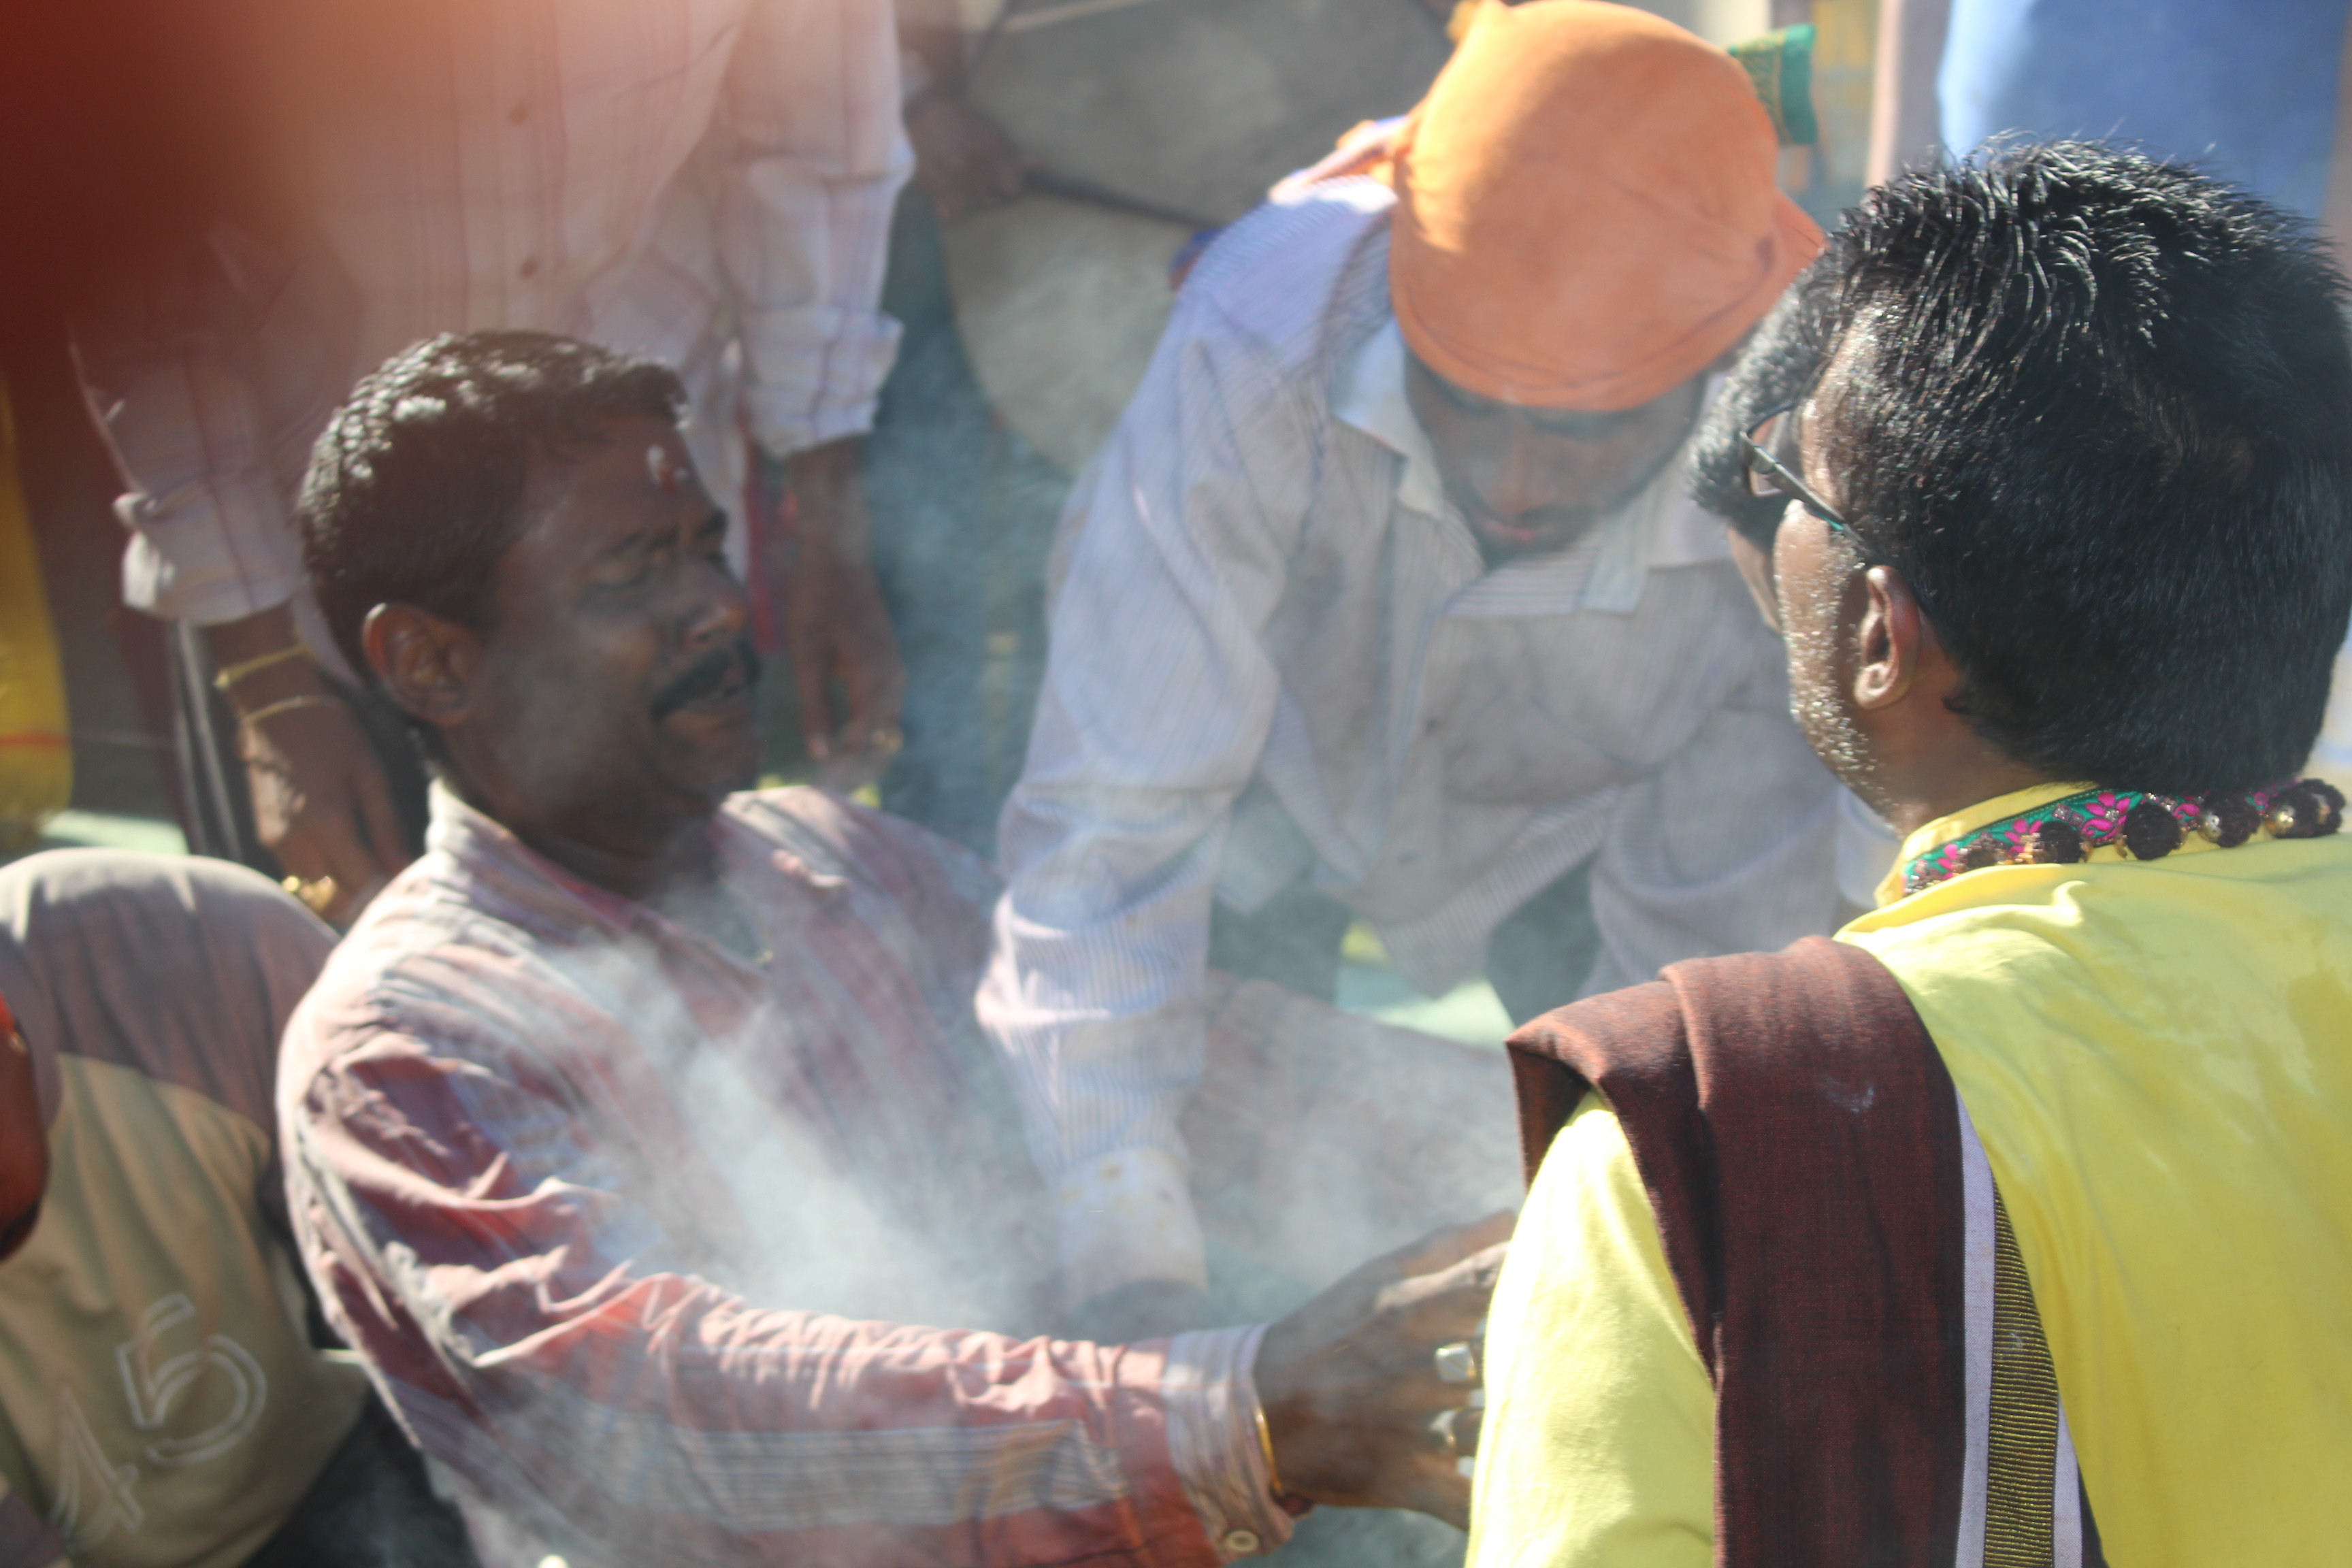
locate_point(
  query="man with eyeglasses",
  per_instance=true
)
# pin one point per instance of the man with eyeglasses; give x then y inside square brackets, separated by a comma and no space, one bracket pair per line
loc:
[2010,1226]
[1384,603]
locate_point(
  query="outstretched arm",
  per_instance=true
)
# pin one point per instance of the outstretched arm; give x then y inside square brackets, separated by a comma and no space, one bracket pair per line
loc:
[518,1302]
[1158,697]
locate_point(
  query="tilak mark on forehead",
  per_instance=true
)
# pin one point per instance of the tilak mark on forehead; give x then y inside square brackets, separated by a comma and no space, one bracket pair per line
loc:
[668,475]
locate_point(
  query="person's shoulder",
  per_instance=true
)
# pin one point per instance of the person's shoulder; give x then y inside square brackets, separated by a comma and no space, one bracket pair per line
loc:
[177,969]
[436,957]
[1291,262]
[2129,928]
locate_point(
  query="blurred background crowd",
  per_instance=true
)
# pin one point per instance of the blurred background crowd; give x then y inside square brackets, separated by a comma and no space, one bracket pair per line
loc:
[1448,778]
[198,263]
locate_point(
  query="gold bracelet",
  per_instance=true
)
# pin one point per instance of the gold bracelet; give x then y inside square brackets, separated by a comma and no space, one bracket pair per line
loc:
[286,704]
[254,666]
[1266,1441]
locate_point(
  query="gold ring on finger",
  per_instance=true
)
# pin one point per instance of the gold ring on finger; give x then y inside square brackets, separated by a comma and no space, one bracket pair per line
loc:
[1441,1434]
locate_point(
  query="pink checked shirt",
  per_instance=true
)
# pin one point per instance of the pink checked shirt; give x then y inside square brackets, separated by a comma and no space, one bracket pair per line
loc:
[626,1225]
[706,182]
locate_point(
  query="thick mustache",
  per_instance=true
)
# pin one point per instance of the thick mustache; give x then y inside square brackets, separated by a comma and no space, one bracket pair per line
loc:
[708,674]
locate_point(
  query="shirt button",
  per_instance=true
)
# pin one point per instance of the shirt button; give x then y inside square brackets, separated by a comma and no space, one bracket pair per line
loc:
[1239,1543]
[530,267]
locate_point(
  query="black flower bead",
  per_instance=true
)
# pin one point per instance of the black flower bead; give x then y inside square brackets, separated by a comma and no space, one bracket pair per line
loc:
[2331,801]
[2234,818]
[2057,842]
[2305,811]
[1984,852]
[2151,831]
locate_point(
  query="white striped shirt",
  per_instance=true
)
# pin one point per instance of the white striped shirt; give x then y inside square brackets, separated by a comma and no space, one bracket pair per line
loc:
[634,1232]
[709,183]
[1276,652]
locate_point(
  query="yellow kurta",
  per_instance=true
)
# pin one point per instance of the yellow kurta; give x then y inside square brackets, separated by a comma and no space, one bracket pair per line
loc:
[2158,1058]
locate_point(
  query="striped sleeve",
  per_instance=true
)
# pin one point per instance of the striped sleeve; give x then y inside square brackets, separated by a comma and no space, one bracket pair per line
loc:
[1158,697]
[810,156]
[499,1282]
[167,371]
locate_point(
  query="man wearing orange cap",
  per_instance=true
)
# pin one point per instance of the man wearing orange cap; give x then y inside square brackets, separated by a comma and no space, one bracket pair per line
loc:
[1383,601]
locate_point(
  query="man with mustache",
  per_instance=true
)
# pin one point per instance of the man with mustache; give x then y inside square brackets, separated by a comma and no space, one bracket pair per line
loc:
[1383,602]
[632,1121]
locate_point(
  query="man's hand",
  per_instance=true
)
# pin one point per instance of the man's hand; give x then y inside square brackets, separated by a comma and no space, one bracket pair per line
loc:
[963,160]
[1350,1382]
[835,625]
[320,803]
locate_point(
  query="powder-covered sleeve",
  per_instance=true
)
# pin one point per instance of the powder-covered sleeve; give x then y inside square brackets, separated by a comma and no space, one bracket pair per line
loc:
[534,1321]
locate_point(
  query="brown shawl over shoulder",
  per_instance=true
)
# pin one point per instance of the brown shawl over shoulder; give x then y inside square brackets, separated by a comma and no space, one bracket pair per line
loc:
[1800,1139]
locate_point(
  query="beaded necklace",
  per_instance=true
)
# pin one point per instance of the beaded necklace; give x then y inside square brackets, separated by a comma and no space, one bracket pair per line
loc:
[2146,825]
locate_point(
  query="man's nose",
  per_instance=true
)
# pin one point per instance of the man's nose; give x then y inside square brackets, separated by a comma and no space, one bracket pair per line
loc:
[718,606]
[1519,481]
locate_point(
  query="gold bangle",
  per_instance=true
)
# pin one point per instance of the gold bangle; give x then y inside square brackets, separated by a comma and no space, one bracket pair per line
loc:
[286,704]
[1266,1441]
[254,666]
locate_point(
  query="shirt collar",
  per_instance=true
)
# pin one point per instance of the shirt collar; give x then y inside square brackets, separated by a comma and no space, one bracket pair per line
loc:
[526,880]
[488,851]
[1370,397]
[1963,822]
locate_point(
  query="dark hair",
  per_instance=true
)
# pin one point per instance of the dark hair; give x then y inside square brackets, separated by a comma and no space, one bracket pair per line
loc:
[1776,368]
[415,487]
[2099,417]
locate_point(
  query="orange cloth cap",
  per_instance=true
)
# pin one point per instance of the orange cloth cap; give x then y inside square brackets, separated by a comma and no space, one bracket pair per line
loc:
[1586,214]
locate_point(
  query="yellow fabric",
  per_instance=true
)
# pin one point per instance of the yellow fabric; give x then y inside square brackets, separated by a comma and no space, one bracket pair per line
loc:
[2158,1058]
[36,757]
[1600,1422]
[159,1401]
[1944,829]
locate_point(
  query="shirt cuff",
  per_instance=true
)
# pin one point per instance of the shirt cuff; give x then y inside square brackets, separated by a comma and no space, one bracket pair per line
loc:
[220,584]
[1212,1436]
[1127,1217]
[816,374]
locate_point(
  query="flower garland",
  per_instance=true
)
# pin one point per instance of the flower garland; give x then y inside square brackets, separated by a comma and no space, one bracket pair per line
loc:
[2146,825]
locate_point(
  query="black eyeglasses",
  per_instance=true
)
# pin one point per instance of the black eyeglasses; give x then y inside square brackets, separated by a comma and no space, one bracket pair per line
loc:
[1772,462]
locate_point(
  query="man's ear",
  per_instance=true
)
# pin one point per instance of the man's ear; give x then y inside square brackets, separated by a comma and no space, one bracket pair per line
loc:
[424,663]
[1893,642]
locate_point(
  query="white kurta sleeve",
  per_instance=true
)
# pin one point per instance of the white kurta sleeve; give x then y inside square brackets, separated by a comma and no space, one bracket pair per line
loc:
[1158,697]
[169,372]
[808,156]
